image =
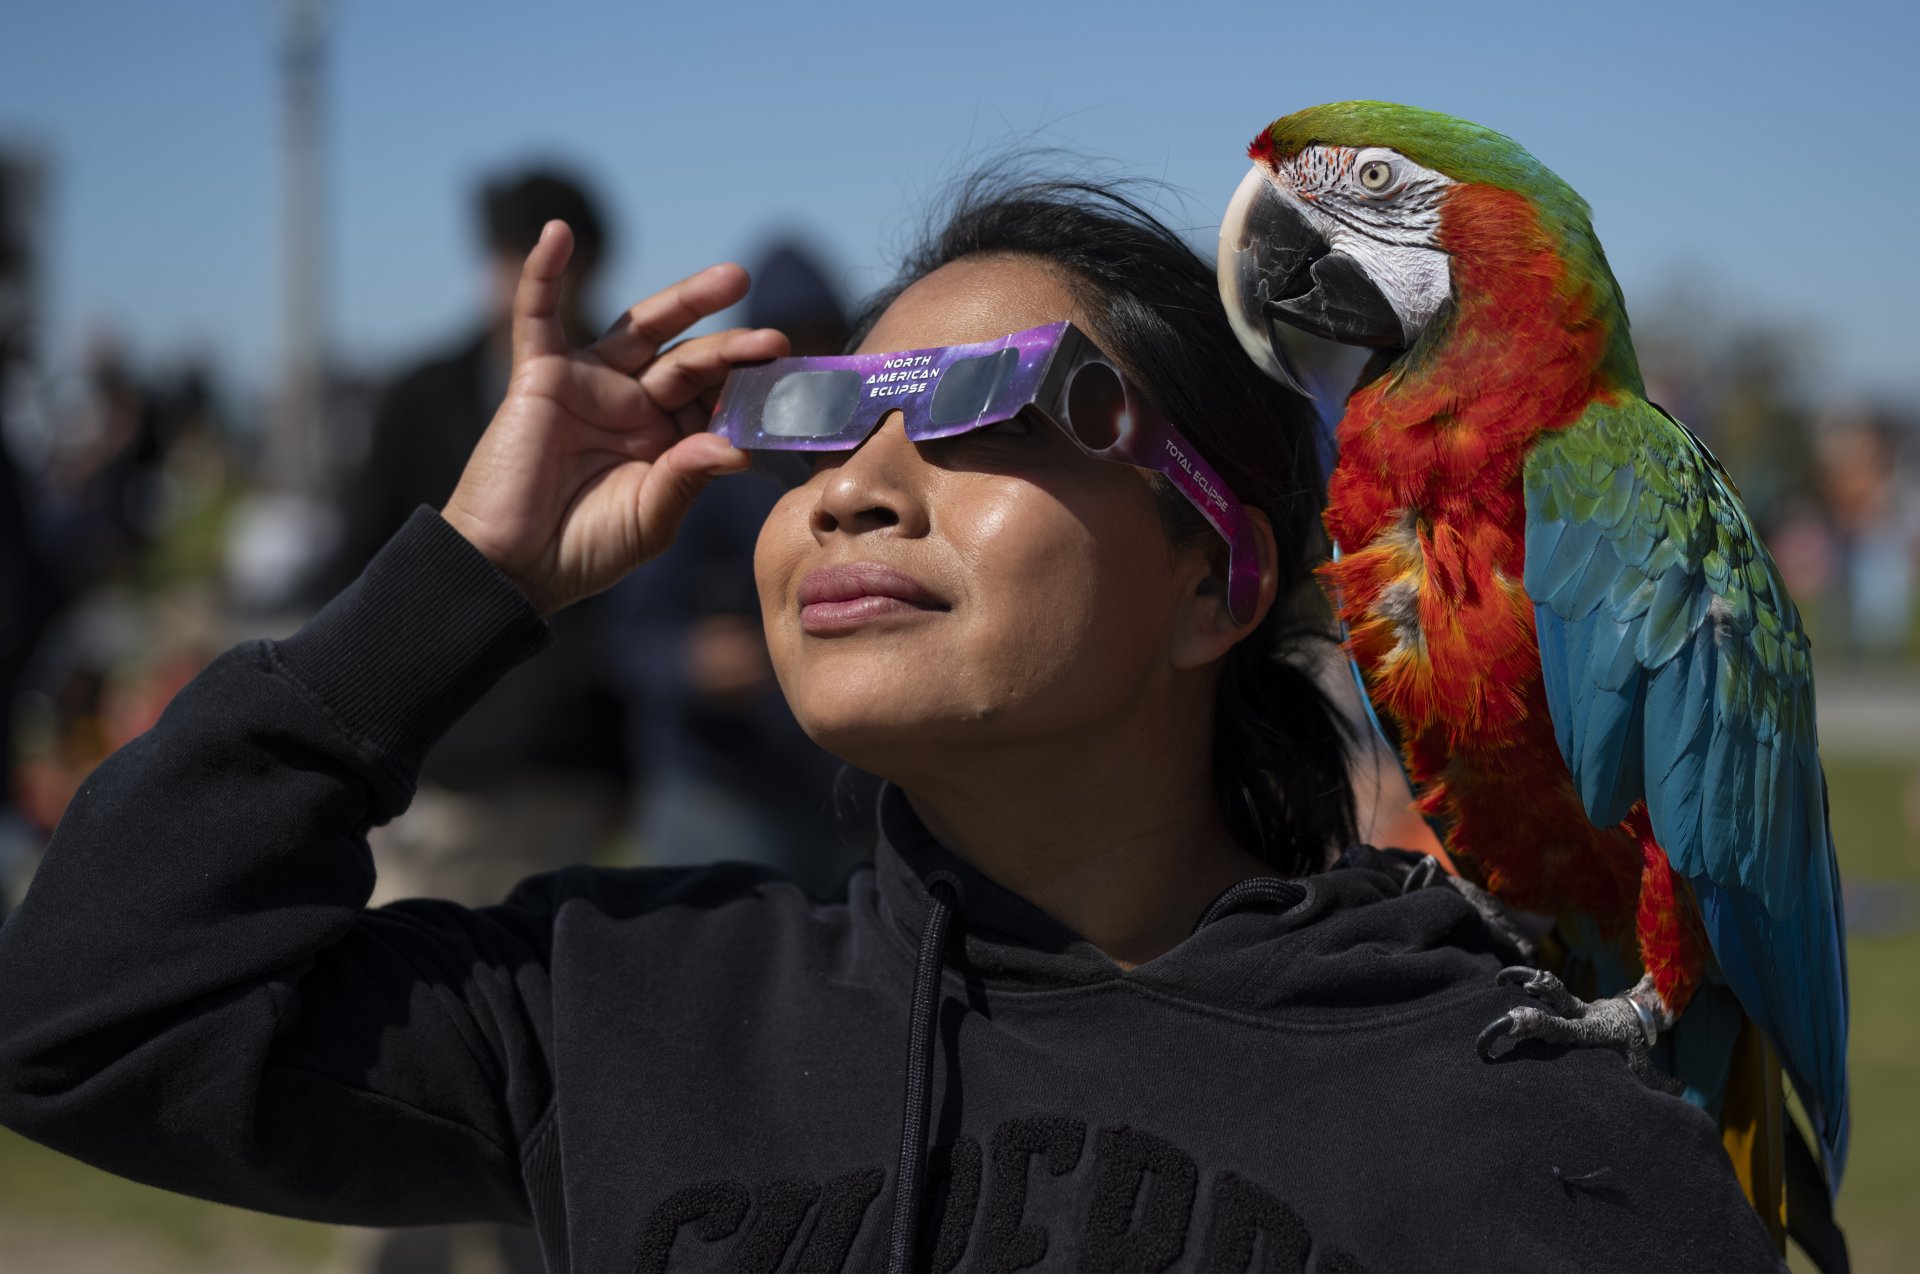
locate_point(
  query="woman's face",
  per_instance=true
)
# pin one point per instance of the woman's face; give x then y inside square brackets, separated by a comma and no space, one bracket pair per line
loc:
[986,589]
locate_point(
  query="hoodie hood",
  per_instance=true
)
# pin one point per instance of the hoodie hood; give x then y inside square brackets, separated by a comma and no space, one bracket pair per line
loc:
[1380,928]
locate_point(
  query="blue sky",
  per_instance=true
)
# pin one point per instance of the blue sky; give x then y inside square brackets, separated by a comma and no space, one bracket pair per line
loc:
[1763,150]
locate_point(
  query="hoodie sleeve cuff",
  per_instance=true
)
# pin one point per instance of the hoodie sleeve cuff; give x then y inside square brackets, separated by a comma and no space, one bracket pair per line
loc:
[404,650]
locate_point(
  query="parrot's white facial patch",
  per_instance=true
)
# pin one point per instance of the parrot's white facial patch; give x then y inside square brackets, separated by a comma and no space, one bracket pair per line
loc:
[1383,210]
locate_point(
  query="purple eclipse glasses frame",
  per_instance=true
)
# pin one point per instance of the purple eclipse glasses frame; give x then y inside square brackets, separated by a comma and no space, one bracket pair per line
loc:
[833,403]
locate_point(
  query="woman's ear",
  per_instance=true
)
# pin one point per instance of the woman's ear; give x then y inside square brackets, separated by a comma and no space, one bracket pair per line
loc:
[1205,628]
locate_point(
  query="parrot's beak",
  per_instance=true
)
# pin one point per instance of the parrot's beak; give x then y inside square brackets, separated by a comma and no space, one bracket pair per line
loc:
[1279,276]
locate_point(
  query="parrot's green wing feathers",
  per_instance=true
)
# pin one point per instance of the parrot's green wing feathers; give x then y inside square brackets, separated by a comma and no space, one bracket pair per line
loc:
[1630,520]
[1677,673]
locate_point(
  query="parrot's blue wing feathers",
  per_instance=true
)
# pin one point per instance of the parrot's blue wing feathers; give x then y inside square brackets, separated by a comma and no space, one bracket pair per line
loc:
[1598,725]
[1677,673]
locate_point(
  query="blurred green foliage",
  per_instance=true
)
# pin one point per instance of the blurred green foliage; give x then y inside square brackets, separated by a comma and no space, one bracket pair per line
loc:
[53,1195]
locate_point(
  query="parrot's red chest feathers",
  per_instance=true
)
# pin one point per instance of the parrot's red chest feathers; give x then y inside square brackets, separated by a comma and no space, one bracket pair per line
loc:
[1426,501]
[1428,506]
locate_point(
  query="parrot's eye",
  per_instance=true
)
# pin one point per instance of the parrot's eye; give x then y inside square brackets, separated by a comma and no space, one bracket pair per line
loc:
[1376,175]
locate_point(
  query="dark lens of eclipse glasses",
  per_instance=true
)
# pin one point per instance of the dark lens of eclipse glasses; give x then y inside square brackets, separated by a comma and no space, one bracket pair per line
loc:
[811,405]
[969,386]
[1096,406]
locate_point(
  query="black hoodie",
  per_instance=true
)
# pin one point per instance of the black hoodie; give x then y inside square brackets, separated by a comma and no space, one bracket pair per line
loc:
[706,1069]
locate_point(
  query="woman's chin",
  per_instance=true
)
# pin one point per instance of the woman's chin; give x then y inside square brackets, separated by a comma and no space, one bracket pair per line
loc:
[888,731]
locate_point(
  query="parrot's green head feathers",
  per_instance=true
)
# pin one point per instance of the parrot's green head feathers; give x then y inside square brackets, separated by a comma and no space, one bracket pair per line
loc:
[1463,151]
[1367,224]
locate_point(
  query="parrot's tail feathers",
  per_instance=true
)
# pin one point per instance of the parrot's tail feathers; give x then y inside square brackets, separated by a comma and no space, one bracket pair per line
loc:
[1810,1221]
[1791,978]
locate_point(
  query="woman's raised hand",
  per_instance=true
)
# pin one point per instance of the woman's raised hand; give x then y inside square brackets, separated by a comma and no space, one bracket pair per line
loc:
[596,454]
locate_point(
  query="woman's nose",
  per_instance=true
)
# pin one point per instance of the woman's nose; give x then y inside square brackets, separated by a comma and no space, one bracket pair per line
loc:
[880,487]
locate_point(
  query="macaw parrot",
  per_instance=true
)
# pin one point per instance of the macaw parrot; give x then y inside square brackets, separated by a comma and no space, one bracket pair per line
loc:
[1603,689]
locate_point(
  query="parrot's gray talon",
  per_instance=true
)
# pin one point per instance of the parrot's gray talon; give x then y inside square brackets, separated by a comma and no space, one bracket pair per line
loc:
[1545,987]
[1627,1023]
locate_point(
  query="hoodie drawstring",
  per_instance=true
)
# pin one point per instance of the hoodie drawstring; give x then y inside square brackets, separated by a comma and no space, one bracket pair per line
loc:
[1277,892]
[944,896]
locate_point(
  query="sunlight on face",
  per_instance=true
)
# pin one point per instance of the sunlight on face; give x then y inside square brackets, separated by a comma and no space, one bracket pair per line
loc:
[921,600]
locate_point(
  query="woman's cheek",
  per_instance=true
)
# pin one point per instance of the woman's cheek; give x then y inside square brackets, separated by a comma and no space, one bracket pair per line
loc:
[1037,574]
[777,556]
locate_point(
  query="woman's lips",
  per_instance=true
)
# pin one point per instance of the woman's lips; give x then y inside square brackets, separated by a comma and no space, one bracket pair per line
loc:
[839,599]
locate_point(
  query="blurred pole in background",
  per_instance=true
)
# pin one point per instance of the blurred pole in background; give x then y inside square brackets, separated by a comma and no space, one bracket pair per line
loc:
[296,447]
[281,533]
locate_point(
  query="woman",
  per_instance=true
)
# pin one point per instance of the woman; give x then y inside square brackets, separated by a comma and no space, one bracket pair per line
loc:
[1132,1031]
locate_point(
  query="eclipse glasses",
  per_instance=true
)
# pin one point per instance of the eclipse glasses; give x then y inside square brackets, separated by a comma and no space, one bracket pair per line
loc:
[832,403]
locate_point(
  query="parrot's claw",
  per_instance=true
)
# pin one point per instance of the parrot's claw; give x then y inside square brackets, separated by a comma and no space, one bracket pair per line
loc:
[1628,1023]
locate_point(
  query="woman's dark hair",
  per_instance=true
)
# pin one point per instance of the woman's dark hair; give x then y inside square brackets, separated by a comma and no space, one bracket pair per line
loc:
[1280,748]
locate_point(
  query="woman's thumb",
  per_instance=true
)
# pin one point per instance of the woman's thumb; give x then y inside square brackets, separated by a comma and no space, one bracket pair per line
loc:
[677,477]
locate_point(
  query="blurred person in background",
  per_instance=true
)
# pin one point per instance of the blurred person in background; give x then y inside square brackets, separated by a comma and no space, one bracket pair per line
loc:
[725,771]
[95,494]
[429,420]
[540,761]
[111,520]
[26,605]
[26,589]
[537,769]
[125,498]
[1876,531]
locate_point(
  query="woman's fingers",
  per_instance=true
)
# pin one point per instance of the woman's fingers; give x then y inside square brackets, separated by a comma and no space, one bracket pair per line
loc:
[536,301]
[637,335]
[693,367]
[675,395]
